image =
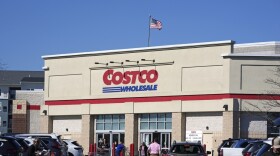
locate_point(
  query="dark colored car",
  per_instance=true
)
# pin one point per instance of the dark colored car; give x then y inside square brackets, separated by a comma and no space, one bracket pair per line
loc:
[264,148]
[241,143]
[44,150]
[53,145]
[23,144]
[9,146]
[187,149]
[252,147]
[233,143]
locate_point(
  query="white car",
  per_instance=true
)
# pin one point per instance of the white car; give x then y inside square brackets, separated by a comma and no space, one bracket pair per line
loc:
[74,149]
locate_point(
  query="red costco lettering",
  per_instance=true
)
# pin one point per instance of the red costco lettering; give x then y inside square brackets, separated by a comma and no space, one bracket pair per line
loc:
[129,77]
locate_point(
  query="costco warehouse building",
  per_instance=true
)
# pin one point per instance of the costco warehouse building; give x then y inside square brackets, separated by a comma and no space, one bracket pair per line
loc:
[167,92]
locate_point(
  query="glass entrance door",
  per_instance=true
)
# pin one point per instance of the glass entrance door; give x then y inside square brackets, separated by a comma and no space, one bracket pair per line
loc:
[103,142]
[103,139]
[147,138]
[165,141]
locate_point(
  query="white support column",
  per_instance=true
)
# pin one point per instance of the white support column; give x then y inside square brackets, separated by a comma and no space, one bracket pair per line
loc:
[131,131]
[178,127]
[87,132]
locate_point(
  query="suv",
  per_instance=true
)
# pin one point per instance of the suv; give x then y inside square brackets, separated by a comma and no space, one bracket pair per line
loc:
[252,147]
[265,147]
[9,146]
[53,146]
[24,144]
[187,149]
[56,141]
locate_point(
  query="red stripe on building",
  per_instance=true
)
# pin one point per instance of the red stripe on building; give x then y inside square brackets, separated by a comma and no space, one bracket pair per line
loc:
[33,107]
[165,98]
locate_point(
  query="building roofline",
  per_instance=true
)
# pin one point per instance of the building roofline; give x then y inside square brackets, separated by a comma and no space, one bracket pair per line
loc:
[30,91]
[250,55]
[256,44]
[10,84]
[119,51]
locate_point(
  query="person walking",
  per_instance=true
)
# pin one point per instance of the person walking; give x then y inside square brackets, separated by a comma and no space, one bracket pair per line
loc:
[119,149]
[275,151]
[154,148]
[34,149]
[143,149]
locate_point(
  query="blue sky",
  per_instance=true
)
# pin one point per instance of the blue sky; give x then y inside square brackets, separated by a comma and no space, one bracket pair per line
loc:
[30,29]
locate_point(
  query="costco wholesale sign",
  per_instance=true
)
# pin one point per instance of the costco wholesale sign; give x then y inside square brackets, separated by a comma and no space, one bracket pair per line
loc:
[126,81]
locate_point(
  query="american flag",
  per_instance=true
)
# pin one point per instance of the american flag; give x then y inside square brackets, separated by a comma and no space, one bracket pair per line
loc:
[155,24]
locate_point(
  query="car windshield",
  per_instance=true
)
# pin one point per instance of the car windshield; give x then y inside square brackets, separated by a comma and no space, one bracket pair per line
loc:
[9,144]
[23,143]
[186,149]
[76,143]
[228,143]
[248,147]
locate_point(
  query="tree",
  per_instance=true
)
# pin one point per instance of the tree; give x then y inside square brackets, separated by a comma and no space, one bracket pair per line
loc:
[268,102]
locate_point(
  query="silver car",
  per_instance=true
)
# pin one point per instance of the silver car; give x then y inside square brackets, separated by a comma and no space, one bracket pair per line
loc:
[74,149]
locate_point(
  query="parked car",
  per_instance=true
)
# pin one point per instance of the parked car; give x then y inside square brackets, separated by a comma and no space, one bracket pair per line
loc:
[24,144]
[187,149]
[252,147]
[236,147]
[55,142]
[74,149]
[54,146]
[44,148]
[241,143]
[9,146]
[264,148]
[225,144]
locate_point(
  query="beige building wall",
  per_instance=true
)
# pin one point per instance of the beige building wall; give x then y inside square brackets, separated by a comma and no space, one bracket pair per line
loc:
[178,126]
[198,83]
[19,112]
[131,131]
[246,73]
[34,100]
[78,79]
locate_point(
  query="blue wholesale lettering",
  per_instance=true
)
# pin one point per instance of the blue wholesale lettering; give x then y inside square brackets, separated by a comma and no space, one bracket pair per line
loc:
[139,88]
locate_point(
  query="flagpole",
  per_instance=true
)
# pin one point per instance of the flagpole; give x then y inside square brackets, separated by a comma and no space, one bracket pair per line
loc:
[149,30]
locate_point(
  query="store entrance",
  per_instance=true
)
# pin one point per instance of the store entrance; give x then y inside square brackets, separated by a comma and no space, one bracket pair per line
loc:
[162,137]
[165,141]
[103,142]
